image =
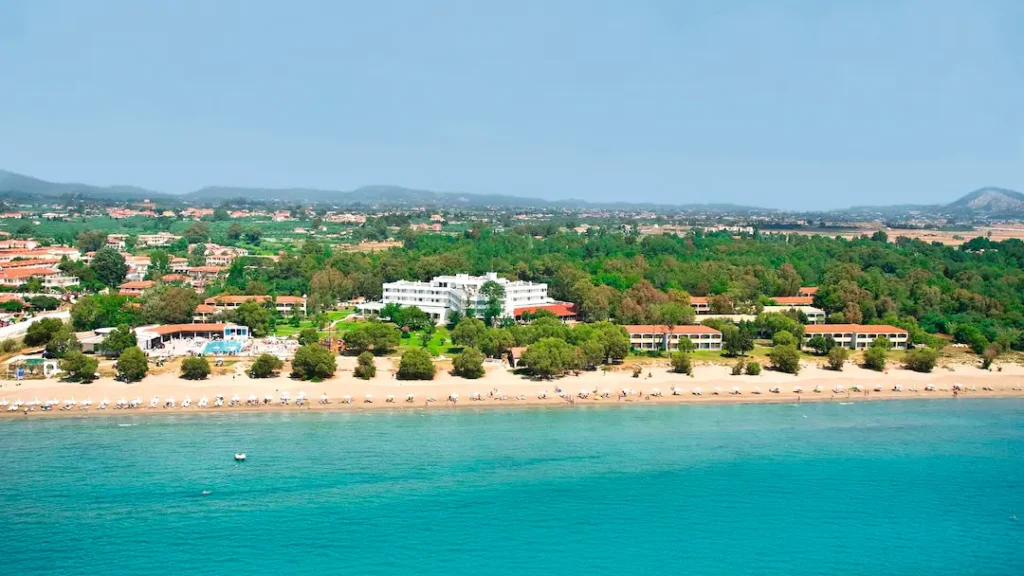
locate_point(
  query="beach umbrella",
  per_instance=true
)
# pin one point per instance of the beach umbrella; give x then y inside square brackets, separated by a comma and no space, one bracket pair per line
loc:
[735,390]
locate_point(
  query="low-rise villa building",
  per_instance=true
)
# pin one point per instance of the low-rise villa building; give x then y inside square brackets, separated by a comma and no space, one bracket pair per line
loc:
[700,304]
[135,288]
[284,305]
[658,337]
[858,336]
[158,239]
[814,315]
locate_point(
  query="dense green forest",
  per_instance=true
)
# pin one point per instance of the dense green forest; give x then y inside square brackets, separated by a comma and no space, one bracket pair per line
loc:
[926,288]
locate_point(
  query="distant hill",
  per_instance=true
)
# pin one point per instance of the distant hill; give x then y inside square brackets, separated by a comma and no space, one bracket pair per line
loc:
[986,202]
[398,196]
[27,186]
[990,201]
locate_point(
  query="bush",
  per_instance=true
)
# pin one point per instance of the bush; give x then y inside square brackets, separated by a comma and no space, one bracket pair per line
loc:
[416,364]
[753,368]
[821,345]
[40,332]
[195,368]
[681,363]
[265,366]
[989,356]
[738,367]
[783,338]
[837,357]
[313,362]
[785,358]
[308,336]
[875,358]
[10,345]
[132,365]
[63,341]
[921,359]
[469,364]
[118,340]
[79,367]
[365,368]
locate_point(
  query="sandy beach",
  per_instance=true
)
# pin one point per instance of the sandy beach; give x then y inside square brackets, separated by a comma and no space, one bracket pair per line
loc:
[500,387]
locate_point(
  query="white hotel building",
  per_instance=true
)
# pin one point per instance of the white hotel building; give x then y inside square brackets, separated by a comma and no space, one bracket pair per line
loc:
[459,293]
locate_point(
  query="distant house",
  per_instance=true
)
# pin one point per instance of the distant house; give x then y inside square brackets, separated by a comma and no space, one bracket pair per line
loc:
[203,275]
[700,304]
[117,241]
[135,288]
[807,291]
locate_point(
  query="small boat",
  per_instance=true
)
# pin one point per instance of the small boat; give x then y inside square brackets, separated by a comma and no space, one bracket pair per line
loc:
[207,492]
[240,457]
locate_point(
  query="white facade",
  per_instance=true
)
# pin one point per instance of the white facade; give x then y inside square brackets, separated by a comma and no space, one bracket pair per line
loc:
[814,315]
[459,293]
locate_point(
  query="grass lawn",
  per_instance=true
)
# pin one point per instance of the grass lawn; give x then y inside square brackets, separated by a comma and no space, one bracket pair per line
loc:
[285,329]
[415,340]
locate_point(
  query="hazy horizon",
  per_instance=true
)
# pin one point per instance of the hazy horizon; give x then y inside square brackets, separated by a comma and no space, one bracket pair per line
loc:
[797,105]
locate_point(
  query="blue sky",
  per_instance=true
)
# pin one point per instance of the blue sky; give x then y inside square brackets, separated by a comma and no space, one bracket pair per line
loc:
[780,104]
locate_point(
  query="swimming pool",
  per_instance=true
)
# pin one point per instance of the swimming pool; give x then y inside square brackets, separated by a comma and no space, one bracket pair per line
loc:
[226,347]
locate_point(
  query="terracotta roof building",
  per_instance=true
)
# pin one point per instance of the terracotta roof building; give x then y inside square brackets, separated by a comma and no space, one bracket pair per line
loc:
[658,337]
[859,336]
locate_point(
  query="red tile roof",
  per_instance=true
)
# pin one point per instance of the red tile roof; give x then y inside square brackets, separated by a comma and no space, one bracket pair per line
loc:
[197,327]
[698,299]
[858,328]
[174,278]
[205,309]
[794,300]
[561,309]
[811,290]
[27,272]
[138,285]
[661,329]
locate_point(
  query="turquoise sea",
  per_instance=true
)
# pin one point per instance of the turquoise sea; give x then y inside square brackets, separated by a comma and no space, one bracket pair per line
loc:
[873,488]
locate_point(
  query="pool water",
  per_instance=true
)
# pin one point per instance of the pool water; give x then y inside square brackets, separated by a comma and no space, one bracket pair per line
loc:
[228,347]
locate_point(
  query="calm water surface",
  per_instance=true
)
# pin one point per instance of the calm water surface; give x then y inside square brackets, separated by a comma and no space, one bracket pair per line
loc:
[908,487]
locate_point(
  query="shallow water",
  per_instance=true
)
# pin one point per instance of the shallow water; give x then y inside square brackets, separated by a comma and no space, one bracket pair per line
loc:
[909,487]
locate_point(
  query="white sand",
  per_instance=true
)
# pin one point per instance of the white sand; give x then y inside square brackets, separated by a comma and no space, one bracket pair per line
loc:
[1006,383]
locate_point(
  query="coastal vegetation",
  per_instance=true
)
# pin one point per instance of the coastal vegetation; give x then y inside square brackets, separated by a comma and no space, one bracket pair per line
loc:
[416,364]
[132,365]
[265,366]
[78,367]
[469,364]
[365,367]
[195,368]
[313,362]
